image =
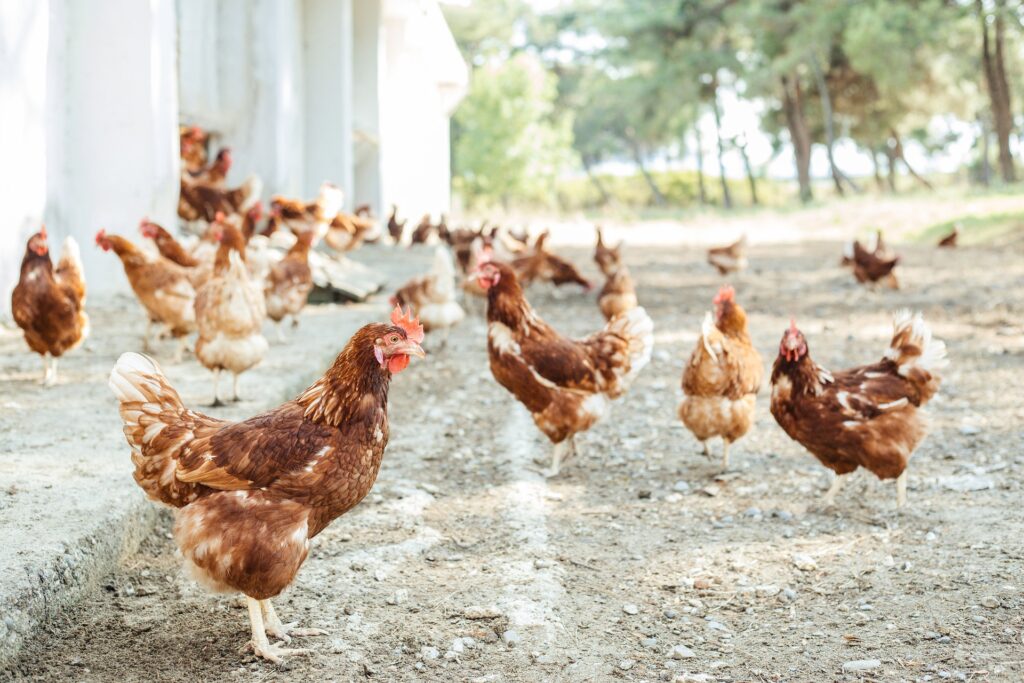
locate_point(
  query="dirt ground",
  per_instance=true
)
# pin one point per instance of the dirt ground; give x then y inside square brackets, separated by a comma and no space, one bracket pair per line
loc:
[642,562]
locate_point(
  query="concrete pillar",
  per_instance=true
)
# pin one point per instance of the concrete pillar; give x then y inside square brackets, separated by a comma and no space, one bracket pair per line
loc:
[23,42]
[328,94]
[366,75]
[112,123]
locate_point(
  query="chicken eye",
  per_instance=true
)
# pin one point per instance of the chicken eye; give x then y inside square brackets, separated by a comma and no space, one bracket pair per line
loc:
[394,339]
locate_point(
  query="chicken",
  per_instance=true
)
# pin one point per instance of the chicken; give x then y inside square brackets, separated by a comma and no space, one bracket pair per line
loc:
[192,142]
[881,248]
[723,377]
[432,296]
[217,173]
[249,496]
[395,229]
[618,294]
[229,312]
[479,254]
[202,202]
[949,241]
[346,231]
[161,286]
[423,231]
[566,385]
[317,215]
[48,304]
[289,283]
[865,416]
[540,264]
[169,247]
[729,259]
[871,269]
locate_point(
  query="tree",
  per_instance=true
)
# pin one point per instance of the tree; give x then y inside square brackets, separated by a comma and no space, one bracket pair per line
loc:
[510,142]
[994,63]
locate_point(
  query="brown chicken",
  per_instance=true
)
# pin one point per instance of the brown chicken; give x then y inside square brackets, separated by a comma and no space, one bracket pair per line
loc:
[347,231]
[731,258]
[871,269]
[289,283]
[315,216]
[423,231]
[431,297]
[865,416]
[949,241]
[544,266]
[608,259]
[396,229]
[250,495]
[723,377]
[216,174]
[618,294]
[161,286]
[567,385]
[48,303]
[203,202]
[169,247]
[192,141]
[230,310]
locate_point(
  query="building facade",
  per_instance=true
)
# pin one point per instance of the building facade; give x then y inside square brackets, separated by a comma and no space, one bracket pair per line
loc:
[357,92]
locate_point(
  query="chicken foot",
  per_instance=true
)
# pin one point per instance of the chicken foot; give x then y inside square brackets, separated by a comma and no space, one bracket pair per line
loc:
[901,489]
[275,629]
[562,453]
[725,455]
[234,389]
[260,645]
[216,390]
[49,371]
[830,495]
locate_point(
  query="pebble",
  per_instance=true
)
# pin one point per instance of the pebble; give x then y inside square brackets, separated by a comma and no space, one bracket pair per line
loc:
[784,515]
[670,614]
[399,597]
[458,646]
[681,487]
[429,652]
[643,494]
[673,498]
[990,601]
[649,643]
[511,638]
[626,664]
[862,665]
[804,562]
[752,512]
[789,593]
[478,612]
[630,608]
[682,652]
[543,564]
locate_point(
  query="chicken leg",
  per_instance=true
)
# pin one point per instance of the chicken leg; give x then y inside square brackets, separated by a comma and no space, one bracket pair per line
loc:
[275,629]
[830,495]
[562,453]
[216,390]
[261,647]
[234,389]
[725,455]
[901,489]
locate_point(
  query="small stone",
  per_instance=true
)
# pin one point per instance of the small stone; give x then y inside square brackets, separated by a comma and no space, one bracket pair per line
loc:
[752,512]
[630,608]
[784,515]
[716,626]
[643,494]
[768,591]
[673,498]
[543,564]
[626,664]
[468,643]
[930,536]
[670,614]
[458,646]
[710,490]
[682,652]
[681,487]
[969,430]
[478,612]
[649,643]
[862,665]
[399,597]
[990,601]
[510,638]
[804,562]
[429,652]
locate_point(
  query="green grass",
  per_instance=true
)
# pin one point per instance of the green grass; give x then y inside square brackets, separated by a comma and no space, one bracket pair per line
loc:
[993,228]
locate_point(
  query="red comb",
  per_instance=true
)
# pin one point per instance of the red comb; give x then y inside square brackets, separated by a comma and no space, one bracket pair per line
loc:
[42,231]
[219,217]
[726,293]
[411,325]
[101,235]
[792,326]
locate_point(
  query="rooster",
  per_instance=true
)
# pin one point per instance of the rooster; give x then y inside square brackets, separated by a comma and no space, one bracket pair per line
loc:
[723,377]
[289,283]
[250,495]
[229,312]
[432,296]
[865,416]
[161,286]
[48,304]
[566,384]
[731,258]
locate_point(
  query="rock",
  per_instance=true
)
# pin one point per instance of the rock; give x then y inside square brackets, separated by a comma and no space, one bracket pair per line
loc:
[681,487]
[429,652]
[626,664]
[643,494]
[716,625]
[400,596]
[969,430]
[649,643]
[670,614]
[990,601]
[804,562]
[862,665]
[710,490]
[631,609]
[682,652]
[543,564]
[511,638]
[468,643]
[458,646]
[478,612]
[966,483]
[767,591]
[784,515]
[673,498]
[752,512]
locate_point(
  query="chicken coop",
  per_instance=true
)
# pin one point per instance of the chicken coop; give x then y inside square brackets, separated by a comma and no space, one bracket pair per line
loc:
[356,92]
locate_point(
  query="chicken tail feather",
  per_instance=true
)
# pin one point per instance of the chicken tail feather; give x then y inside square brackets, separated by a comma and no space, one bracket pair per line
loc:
[916,353]
[636,326]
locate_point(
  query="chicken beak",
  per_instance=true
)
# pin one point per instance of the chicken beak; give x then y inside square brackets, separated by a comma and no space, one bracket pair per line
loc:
[410,348]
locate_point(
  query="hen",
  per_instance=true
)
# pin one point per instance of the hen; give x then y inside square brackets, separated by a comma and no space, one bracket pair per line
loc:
[250,495]
[950,239]
[723,377]
[395,228]
[618,294]
[289,283]
[432,296]
[217,173]
[731,258]
[229,312]
[169,247]
[865,416]
[541,264]
[161,286]
[49,304]
[870,268]
[566,384]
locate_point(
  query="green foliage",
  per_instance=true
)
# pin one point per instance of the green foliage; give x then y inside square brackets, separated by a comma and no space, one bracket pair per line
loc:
[510,142]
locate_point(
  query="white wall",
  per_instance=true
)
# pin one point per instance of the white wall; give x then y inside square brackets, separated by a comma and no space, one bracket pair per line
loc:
[23,45]
[366,77]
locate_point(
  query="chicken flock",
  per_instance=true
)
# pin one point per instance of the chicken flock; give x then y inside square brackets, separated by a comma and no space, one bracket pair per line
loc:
[250,495]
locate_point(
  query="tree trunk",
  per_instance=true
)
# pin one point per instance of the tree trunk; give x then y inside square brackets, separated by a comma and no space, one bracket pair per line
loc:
[638,158]
[986,164]
[897,153]
[838,177]
[751,179]
[726,197]
[596,182]
[890,158]
[877,167]
[799,135]
[998,87]
[700,166]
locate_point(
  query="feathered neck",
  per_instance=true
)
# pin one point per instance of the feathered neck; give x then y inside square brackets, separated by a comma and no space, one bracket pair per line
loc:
[33,262]
[125,250]
[805,375]
[733,321]
[507,304]
[354,387]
